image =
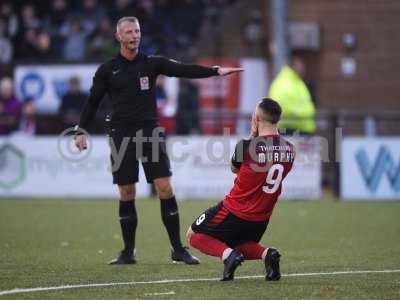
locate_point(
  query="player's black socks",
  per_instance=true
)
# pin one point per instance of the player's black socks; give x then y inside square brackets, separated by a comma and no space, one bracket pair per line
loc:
[128,221]
[170,217]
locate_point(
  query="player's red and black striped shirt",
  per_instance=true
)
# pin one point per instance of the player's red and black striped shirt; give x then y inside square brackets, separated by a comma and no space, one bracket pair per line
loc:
[263,163]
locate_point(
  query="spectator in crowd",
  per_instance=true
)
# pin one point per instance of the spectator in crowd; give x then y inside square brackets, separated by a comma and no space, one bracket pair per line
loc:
[72,102]
[187,19]
[74,40]
[120,9]
[26,43]
[300,66]
[166,33]
[29,18]
[35,45]
[151,27]
[6,48]
[8,31]
[214,9]
[253,33]
[43,45]
[45,33]
[187,116]
[28,118]
[102,43]
[9,19]
[90,14]
[26,40]
[56,19]
[291,92]
[10,107]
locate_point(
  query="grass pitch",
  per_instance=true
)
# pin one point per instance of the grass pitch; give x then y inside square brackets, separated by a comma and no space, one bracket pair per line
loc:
[59,242]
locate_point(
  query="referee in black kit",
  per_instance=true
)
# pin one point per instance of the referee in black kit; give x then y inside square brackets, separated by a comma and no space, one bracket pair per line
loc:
[130,80]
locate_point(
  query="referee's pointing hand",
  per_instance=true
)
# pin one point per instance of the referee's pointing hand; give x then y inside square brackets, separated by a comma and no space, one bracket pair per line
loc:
[228,71]
[80,142]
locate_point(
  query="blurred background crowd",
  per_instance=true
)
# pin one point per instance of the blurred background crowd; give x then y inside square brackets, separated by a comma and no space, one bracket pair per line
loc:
[33,31]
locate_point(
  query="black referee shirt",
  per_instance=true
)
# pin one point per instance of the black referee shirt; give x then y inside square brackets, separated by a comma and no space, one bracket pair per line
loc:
[131,86]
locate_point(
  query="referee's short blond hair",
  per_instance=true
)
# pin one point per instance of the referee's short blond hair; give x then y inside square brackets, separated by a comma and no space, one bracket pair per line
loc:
[126,19]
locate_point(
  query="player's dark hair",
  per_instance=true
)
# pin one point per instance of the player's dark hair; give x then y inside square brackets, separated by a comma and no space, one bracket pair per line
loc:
[271,109]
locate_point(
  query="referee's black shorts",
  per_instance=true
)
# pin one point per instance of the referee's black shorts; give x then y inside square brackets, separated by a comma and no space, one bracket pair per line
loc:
[126,153]
[219,223]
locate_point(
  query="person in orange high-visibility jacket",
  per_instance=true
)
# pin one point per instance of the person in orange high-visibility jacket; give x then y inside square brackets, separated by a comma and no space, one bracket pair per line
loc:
[290,91]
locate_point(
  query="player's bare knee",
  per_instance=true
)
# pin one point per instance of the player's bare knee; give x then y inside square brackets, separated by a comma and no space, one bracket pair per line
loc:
[164,189]
[166,193]
[127,192]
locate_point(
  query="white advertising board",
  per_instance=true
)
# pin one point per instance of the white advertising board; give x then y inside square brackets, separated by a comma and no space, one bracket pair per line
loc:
[305,180]
[48,83]
[370,168]
[36,167]
[199,174]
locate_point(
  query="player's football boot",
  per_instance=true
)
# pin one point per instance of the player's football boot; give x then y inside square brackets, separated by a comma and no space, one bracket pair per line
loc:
[124,258]
[231,263]
[183,255]
[272,271]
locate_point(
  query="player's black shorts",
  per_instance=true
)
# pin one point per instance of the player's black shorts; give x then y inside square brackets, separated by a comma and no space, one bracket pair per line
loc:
[219,223]
[128,145]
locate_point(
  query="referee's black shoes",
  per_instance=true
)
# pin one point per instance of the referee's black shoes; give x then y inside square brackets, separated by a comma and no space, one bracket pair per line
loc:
[124,258]
[230,265]
[272,271]
[182,255]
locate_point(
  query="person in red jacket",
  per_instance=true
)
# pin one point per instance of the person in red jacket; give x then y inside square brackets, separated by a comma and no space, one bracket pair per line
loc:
[233,228]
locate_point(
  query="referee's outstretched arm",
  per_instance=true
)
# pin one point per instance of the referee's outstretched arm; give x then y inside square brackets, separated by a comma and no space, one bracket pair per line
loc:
[173,68]
[117,77]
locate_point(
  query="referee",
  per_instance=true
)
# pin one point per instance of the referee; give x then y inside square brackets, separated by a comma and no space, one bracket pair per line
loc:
[130,79]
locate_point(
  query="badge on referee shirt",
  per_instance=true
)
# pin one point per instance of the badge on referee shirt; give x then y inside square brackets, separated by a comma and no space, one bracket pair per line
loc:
[144,83]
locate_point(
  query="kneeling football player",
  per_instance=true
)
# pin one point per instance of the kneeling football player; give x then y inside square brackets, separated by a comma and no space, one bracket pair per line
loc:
[232,229]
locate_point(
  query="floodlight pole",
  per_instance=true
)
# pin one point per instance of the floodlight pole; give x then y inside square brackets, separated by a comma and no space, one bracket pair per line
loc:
[280,47]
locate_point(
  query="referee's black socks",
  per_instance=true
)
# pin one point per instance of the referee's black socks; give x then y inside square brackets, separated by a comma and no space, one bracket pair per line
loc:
[128,221]
[170,217]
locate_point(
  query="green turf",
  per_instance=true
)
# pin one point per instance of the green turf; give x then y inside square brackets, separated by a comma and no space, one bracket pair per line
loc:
[46,243]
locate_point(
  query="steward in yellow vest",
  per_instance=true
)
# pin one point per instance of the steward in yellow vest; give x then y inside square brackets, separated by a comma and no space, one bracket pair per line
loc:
[298,110]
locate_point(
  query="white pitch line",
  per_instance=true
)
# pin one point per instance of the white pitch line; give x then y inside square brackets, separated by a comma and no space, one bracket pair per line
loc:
[160,294]
[94,285]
